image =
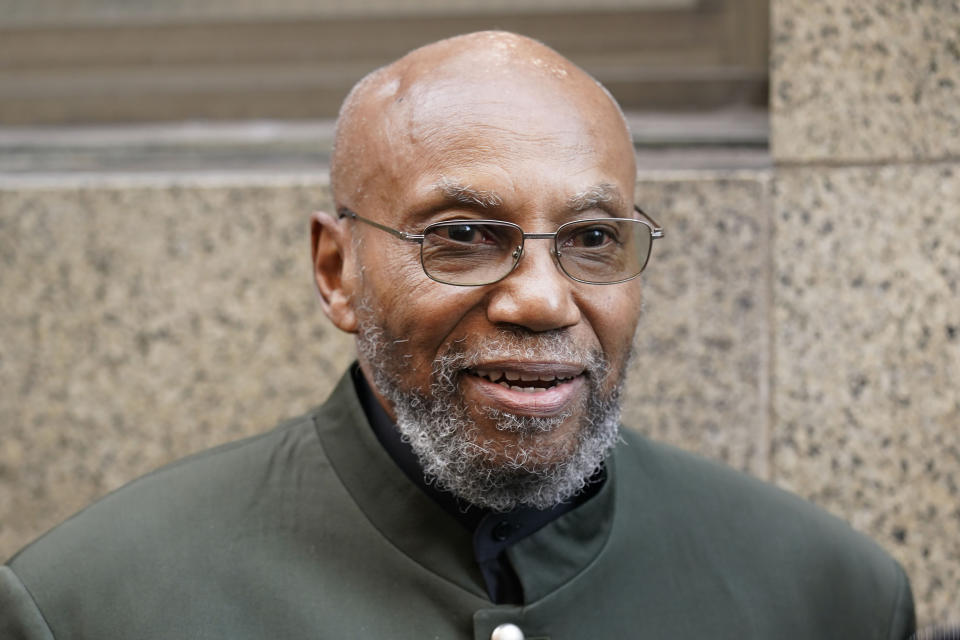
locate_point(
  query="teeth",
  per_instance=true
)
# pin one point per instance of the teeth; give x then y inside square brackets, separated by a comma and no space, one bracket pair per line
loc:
[527,389]
[512,376]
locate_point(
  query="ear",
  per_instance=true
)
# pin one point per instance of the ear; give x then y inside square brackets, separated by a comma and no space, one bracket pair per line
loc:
[332,271]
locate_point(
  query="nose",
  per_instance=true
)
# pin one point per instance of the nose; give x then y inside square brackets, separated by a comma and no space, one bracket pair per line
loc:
[536,295]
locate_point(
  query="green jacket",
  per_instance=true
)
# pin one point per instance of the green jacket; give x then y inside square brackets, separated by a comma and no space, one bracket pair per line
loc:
[311,531]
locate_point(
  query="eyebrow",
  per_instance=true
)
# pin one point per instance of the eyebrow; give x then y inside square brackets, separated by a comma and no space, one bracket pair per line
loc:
[465,194]
[603,195]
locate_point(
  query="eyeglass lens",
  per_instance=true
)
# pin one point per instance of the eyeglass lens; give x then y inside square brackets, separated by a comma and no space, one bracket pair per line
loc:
[470,254]
[596,251]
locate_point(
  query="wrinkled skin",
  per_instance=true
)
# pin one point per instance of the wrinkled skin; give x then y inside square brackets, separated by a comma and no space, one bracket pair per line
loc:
[522,132]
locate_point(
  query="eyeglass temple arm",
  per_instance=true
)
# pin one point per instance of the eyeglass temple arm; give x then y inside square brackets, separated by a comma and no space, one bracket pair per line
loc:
[403,235]
[657,231]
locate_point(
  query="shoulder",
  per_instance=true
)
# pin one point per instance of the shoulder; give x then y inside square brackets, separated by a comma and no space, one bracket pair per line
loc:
[684,487]
[227,481]
[693,487]
[768,544]
[203,537]
[163,515]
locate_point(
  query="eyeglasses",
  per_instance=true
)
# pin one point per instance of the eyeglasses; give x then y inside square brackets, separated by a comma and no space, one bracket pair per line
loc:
[470,253]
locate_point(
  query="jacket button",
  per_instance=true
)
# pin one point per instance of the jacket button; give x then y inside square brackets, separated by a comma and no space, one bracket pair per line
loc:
[507,632]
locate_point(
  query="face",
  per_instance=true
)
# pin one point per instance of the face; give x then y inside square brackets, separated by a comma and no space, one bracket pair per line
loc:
[519,379]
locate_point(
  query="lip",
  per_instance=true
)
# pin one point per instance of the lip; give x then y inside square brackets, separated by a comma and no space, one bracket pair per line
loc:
[549,402]
[559,369]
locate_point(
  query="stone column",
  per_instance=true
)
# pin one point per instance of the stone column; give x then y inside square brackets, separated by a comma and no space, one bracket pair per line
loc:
[865,110]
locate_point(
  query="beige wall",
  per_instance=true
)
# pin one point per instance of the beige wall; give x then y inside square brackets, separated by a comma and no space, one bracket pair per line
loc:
[865,110]
[801,320]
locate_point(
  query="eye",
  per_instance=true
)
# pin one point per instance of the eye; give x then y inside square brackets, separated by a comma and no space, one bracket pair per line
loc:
[464,233]
[594,236]
[467,233]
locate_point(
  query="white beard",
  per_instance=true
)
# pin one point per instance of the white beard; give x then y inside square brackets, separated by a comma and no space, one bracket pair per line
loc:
[439,429]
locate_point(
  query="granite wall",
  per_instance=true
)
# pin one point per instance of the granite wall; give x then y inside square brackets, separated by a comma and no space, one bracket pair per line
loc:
[865,387]
[142,321]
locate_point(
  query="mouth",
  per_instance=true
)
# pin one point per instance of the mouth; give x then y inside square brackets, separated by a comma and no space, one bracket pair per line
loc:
[525,382]
[527,388]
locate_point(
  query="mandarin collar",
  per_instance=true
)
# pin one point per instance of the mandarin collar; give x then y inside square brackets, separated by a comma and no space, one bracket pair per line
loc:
[547,547]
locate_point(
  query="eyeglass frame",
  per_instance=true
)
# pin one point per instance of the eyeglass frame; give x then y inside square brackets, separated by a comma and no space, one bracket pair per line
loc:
[656,231]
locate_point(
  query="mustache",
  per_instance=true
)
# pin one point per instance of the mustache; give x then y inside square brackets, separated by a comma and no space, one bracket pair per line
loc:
[518,344]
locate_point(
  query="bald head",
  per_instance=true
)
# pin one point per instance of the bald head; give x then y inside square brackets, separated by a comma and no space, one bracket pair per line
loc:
[468,91]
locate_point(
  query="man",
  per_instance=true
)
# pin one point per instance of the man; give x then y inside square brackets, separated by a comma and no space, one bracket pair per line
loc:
[467,479]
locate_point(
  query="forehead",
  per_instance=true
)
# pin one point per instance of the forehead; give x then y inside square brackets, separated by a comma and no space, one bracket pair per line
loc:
[513,107]
[516,137]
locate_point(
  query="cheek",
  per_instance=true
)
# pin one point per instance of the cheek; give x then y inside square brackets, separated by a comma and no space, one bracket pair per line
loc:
[614,315]
[387,272]
[412,307]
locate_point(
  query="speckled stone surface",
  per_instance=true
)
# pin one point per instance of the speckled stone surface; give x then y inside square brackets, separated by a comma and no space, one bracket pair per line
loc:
[866,386]
[143,322]
[865,79]
[700,376]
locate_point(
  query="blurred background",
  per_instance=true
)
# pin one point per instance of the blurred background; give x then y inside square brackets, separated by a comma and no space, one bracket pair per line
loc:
[159,160]
[241,83]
